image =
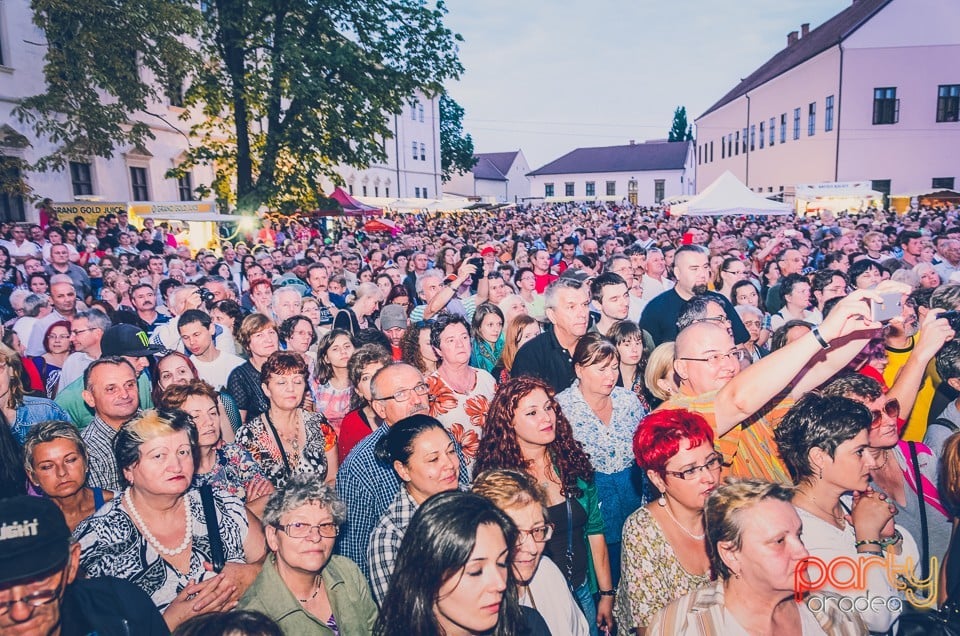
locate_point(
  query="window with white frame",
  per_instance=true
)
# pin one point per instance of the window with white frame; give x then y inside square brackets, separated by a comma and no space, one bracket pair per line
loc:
[828,114]
[568,189]
[415,148]
[416,192]
[423,152]
[811,119]
[611,188]
[420,111]
[591,189]
[548,189]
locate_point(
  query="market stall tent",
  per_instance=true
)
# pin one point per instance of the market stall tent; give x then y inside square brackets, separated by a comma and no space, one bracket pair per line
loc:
[351,206]
[381,226]
[727,196]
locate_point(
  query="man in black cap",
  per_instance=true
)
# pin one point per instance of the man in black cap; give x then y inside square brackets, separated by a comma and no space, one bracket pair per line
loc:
[40,593]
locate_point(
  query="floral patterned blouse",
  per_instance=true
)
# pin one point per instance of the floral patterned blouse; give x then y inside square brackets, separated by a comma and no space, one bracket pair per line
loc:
[651,575]
[333,403]
[610,446]
[463,414]
[256,437]
[233,471]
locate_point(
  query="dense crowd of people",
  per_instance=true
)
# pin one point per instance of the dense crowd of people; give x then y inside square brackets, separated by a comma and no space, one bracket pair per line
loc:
[559,419]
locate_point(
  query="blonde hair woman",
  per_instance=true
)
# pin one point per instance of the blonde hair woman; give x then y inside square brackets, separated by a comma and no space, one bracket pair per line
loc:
[366,300]
[659,375]
[157,534]
[520,330]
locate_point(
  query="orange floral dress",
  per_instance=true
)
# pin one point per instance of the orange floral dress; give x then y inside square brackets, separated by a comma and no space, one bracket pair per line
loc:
[463,414]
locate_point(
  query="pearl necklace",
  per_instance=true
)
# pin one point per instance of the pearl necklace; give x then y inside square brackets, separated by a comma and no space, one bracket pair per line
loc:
[697,537]
[152,540]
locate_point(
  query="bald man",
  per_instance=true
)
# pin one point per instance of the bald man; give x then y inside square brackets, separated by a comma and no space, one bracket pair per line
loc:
[745,403]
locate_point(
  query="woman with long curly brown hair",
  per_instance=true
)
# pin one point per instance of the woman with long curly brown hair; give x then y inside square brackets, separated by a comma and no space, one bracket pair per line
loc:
[526,431]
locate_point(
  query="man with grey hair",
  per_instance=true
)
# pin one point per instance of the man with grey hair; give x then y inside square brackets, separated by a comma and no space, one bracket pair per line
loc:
[366,485]
[86,333]
[441,294]
[549,356]
[17,296]
[287,302]
[32,308]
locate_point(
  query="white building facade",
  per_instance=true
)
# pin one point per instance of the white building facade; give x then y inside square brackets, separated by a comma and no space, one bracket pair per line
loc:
[412,167]
[132,174]
[642,174]
[497,177]
[872,94]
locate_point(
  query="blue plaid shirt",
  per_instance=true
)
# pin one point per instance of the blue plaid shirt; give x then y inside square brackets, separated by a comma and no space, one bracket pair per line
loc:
[368,487]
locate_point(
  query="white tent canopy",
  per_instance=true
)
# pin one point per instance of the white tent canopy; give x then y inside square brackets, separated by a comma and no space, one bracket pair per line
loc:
[726,196]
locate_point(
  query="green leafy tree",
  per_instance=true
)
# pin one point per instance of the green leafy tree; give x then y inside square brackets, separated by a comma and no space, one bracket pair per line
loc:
[279,92]
[105,61]
[680,130]
[456,148]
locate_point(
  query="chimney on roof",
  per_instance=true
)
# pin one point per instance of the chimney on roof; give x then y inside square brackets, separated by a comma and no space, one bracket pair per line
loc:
[633,142]
[804,29]
[791,38]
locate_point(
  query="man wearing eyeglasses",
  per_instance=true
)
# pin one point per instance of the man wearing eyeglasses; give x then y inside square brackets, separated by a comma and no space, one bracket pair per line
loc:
[744,406]
[86,332]
[366,485]
[40,594]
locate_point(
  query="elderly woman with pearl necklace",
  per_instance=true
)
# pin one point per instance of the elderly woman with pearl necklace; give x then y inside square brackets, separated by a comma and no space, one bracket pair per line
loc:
[156,533]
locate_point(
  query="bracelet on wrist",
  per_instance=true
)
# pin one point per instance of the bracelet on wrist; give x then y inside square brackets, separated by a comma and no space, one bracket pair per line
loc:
[893,540]
[607,592]
[876,542]
[816,334]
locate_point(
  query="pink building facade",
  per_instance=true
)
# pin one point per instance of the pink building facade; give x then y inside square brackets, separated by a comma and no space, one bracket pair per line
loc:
[872,94]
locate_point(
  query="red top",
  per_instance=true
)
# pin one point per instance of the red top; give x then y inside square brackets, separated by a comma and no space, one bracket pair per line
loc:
[543,280]
[353,428]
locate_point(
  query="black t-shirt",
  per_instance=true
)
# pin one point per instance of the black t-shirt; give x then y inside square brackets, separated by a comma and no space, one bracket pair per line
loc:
[659,317]
[154,246]
[108,606]
[544,358]
[573,566]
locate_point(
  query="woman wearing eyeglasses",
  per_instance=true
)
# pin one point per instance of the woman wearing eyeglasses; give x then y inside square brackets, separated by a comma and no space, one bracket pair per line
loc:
[664,553]
[303,586]
[894,474]
[732,271]
[540,583]
[424,456]
[525,430]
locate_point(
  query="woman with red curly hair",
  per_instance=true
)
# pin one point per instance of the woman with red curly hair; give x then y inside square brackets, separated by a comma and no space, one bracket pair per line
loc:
[526,431]
[664,553]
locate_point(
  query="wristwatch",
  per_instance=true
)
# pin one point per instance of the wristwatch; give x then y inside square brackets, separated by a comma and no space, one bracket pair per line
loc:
[607,592]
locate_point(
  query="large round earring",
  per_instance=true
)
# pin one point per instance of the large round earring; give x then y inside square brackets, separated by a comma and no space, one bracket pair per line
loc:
[662,501]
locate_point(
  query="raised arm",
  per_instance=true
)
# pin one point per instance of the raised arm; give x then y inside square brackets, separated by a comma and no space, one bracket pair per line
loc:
[934,332]
[848,326]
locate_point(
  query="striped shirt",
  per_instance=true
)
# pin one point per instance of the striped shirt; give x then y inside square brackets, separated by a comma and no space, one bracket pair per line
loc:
[749,448]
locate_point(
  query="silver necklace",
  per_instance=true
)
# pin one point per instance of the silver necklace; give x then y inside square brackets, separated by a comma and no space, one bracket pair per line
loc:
[697,537]
[152,540]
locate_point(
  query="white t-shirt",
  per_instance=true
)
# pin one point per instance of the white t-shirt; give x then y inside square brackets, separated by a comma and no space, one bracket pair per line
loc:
[216,373]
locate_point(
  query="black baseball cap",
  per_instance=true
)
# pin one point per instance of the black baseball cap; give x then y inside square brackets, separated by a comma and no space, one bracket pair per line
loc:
[127,340]
[34,538]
